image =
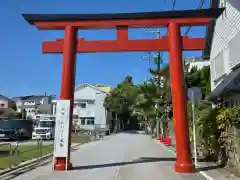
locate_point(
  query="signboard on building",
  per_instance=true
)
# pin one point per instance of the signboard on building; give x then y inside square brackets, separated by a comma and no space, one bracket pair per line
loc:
[62,128]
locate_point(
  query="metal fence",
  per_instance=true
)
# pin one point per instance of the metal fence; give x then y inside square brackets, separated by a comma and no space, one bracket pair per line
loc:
[17,154]
[96,131]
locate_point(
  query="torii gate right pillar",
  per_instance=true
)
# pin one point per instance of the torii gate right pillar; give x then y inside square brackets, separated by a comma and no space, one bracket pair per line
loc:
[184,162]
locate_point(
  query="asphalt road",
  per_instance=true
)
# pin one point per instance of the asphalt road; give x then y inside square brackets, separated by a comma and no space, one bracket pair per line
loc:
[125,156]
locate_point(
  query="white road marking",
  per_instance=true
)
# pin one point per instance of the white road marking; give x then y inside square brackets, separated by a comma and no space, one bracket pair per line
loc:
[205,175]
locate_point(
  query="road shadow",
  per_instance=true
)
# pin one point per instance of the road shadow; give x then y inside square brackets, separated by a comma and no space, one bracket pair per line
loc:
[145,160]
[137,161]
[130,132]
[203,159]
[208,168]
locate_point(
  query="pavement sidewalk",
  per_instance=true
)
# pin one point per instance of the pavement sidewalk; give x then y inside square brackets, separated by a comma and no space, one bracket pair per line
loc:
[210,170]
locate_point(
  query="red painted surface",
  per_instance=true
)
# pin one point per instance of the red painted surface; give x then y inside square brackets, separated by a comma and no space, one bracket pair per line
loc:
[68,85]
[168,141]
[184,162]
[134,23]
[123,44]
[161,138]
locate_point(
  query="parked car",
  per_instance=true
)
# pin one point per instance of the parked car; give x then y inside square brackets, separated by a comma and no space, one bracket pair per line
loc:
[9,134]
[15,129]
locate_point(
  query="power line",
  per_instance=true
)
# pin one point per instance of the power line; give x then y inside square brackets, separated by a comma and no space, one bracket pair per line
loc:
[199,7]
[174,4]
[173,7]
[164,3]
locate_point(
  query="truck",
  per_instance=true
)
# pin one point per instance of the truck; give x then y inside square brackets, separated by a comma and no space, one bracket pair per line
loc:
[44,129]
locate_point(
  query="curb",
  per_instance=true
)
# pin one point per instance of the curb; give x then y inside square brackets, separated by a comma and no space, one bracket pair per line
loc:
[29,163]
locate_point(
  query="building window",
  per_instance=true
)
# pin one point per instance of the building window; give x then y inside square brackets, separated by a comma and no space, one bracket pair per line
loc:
[2,105]
[90,121]
[82,121]
[83,105]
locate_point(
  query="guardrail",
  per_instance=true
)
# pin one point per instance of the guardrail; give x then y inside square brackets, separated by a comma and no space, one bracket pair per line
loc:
[14,155]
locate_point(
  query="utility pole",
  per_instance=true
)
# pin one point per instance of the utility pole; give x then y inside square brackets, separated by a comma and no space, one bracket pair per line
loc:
[158,62]
[148,58]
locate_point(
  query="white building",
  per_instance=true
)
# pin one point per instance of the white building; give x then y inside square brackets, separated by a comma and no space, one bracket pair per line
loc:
[199,63]
[222,48]
[89,112]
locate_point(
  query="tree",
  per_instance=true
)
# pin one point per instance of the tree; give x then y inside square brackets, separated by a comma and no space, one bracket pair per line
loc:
[14,106]
[144,105]
[152,99]
[144,102]
[120,100]
[10,113]
[199,78]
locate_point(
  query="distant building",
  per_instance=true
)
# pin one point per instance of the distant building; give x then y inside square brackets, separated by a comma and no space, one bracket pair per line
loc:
[6,103]
[105,88]
[34,104]
[199,63]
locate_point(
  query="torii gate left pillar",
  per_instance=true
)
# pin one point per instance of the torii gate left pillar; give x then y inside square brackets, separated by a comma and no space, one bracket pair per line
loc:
[174,43]
[68,86]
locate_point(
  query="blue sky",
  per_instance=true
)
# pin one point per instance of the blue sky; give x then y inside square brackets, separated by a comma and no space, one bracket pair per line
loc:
[25,70]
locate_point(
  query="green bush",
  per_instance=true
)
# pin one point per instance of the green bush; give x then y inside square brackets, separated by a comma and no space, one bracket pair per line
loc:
[212,126]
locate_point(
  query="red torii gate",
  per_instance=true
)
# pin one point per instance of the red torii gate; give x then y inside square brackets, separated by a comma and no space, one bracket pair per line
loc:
[173,42]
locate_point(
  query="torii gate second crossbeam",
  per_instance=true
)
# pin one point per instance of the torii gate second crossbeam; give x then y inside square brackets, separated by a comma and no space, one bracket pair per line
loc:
[173,42]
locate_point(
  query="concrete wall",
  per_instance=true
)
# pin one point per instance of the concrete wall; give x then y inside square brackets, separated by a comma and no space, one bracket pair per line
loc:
[101,116]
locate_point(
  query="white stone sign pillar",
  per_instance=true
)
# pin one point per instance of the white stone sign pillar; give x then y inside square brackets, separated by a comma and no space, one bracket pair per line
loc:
[61,139]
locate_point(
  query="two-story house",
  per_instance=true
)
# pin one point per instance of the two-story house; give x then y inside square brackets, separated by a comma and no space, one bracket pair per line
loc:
[222,48]
[89,112]
[34,104]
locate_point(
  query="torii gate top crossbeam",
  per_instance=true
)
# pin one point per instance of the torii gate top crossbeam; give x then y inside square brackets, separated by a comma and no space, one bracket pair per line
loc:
[131,20]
